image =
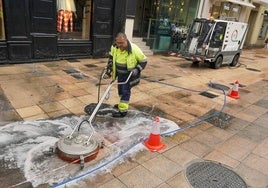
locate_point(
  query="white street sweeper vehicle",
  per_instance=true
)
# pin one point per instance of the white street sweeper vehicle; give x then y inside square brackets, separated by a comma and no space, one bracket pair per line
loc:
[215,42]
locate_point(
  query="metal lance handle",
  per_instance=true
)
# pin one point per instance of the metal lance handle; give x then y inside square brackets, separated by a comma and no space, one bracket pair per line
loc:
[101,100]
[98,106]
[104,95]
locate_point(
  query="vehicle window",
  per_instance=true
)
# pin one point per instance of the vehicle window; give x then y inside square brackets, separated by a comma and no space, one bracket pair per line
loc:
[218,34]
[205,32]
[196,28]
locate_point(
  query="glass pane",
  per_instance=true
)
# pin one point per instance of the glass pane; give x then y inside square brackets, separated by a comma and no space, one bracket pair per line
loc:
[216,8]
[196,27]
[234,12]
[73,21]
[2,27]
[168,22]
[264,27]
[225,9]
[218,35]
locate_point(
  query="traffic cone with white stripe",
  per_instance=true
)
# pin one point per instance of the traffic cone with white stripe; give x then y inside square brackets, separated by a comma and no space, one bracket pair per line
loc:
[234,93]
[154,142]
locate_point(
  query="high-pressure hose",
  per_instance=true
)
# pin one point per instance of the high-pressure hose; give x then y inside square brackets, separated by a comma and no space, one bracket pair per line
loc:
[211,84]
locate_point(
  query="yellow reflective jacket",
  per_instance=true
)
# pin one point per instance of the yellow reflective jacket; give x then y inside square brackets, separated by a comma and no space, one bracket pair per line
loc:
[134,58]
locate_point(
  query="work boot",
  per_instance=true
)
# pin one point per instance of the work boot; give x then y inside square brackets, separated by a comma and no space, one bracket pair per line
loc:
[119,114]
[116,106]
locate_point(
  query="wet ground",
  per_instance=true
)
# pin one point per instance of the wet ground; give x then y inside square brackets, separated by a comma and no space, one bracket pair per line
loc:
[26,145]
[171,88]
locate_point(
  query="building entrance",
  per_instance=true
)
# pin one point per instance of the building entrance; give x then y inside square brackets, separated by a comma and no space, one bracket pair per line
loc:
[155,18]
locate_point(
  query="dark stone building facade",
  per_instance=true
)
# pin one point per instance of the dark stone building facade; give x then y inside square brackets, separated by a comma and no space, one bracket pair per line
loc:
[30,29]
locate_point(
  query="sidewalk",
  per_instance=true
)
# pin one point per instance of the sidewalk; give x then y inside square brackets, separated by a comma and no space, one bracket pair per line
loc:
[51,89]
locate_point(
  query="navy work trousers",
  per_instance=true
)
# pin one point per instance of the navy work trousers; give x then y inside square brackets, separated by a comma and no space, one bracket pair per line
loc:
[124,90]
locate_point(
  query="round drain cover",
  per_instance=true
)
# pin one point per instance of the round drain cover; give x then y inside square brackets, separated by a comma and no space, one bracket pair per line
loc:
[207,174]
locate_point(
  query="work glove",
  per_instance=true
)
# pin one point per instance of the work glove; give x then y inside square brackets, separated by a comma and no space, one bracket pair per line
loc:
[135,72]
[108,70]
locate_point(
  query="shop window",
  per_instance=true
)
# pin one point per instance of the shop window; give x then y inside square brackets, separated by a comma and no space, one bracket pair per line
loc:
[216,8]
[226,11]
[264,27]
[168,22]
[234,12]
[2,27]
[175,11]
[73,19]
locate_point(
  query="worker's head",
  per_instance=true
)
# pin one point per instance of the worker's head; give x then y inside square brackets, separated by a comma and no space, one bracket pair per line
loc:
[121,41]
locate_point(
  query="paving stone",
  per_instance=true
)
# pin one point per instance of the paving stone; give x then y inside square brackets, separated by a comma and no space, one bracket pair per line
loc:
[197,148]
[140,177]
[256,162]
[113,183]
[262,120]
[261,149]
[180,155]
[253,177]
[237,147]
[162,167]
[254,132]
[178,181]
[222,158]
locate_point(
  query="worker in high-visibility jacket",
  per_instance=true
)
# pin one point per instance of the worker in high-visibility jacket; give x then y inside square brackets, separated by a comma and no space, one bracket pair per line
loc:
[124,58]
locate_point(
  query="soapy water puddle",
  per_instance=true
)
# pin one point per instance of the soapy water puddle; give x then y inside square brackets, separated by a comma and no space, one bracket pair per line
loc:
[27,144]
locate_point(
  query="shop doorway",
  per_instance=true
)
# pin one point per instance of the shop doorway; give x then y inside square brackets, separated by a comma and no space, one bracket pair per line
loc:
[142,16]
[154,19]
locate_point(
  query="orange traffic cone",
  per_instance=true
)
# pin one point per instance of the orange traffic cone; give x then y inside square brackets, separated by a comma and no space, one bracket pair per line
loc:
[234,92]
[154,142]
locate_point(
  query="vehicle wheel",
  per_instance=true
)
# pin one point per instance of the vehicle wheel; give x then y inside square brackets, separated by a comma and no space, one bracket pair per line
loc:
[195,64]
[235,60]
[217,63]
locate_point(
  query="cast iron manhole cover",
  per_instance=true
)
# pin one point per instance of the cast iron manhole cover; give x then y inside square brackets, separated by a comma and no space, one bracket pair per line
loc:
[208,174]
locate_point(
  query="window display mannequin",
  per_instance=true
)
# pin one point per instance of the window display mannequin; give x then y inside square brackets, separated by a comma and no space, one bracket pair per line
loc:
[66,9]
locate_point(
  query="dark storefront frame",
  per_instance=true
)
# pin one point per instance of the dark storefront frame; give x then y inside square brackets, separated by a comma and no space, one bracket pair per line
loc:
[31,35]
